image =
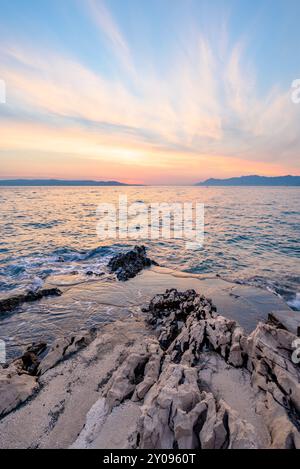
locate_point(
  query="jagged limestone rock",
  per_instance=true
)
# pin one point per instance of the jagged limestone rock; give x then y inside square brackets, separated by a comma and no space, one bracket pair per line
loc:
[15,388]
[63,348]
[194,381]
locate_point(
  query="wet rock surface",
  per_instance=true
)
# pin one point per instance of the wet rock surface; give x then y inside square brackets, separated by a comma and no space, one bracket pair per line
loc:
[176,376]
[129,264]
[9,304]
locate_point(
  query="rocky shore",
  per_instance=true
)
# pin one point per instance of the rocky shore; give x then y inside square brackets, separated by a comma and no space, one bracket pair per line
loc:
[174,373]
[9,304]
[129,264]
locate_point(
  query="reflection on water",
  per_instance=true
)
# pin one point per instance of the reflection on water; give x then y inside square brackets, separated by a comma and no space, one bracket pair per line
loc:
[251,234]
[97,301]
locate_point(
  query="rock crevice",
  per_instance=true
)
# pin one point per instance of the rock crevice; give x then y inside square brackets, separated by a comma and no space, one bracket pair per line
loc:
[180,408]
[190,379]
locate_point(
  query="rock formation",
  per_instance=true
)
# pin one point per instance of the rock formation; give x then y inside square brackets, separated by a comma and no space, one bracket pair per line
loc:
[129,264]
[177,376]
[166,375]
[9,304]
[19,380]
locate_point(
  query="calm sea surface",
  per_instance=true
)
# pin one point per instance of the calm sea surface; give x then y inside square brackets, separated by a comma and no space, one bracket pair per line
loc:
[252,235]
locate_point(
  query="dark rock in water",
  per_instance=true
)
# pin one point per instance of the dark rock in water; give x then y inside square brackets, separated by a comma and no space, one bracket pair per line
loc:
[10,304]
[90,273]
[129,264]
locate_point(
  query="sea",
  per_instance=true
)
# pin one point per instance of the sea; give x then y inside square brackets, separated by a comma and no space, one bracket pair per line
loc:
[251,235]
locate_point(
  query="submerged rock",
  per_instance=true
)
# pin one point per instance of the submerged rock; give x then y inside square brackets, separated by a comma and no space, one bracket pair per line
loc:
[129,264]
[91,273]
[9,304]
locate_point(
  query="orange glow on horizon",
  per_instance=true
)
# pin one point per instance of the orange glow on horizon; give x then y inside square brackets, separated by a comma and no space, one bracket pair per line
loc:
[37,151]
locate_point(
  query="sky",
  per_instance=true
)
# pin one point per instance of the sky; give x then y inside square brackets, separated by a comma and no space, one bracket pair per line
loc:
[154,92]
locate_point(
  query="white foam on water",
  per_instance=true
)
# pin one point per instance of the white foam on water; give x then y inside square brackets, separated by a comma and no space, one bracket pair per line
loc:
[295,303]
[37,283]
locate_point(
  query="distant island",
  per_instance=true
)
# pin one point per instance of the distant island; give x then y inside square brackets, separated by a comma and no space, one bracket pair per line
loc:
[253,181]
[58,182]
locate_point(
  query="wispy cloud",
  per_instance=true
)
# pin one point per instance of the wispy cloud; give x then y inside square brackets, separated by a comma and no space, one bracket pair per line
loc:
[200,114]
[102,17]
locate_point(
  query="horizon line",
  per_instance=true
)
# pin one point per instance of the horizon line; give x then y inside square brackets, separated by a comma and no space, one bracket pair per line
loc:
[114,182]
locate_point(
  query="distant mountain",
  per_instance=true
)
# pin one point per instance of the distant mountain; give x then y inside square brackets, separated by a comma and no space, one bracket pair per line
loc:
[57,182]
[253,181]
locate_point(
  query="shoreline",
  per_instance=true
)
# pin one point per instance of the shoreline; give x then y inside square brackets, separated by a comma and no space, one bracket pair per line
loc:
[69,402]
[109,299]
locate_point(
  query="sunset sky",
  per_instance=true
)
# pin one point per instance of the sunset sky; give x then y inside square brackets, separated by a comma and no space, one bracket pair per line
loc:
[155,92]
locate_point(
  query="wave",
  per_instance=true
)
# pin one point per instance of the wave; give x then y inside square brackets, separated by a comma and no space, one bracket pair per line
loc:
[43,226]
[30,272]
[295,302]
[282,290]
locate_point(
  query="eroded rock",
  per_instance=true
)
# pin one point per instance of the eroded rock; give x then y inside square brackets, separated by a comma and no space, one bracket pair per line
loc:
[178,411]
[15,389]
[136,375]
[129,264]
[20,379]
[9,304]
[197,381]
[64,348]
[32,357]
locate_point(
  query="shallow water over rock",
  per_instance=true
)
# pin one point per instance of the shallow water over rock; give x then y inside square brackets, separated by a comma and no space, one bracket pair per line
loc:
[101,300]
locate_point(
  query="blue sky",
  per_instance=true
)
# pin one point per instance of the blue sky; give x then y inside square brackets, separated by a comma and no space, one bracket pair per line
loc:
[149,91]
